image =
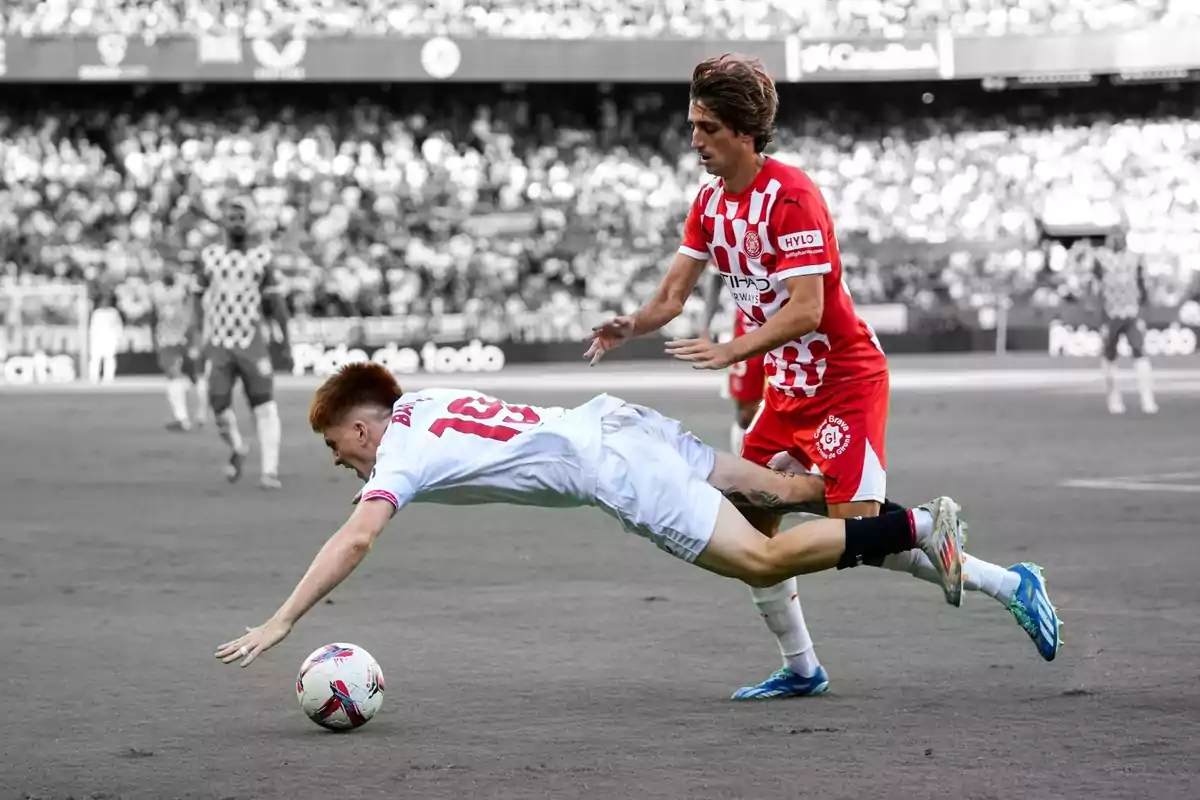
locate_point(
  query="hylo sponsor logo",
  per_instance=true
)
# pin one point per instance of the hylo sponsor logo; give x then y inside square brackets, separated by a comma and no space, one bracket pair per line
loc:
[801,241]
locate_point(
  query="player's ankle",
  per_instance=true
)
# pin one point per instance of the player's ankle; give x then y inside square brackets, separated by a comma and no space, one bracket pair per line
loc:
[803,664]
[922,524]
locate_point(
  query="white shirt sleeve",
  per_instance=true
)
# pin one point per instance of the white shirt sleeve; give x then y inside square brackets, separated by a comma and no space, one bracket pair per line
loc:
[394,479]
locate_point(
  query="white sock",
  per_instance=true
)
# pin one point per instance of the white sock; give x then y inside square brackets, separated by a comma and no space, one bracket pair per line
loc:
[736,435]
[923,522]
[201,400]
[270,434]
[991,579]
[1109,370]
[227,426]
[1145,380]
[779,606]
[978,575]
[177,399]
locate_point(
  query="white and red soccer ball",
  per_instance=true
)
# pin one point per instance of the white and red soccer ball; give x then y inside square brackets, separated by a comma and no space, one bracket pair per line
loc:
[340,686]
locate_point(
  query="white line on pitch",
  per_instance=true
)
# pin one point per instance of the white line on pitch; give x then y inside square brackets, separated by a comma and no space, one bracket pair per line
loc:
[1132,486]
[1150,477]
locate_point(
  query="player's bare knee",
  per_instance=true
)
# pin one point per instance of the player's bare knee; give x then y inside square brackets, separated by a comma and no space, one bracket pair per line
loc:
[762,565]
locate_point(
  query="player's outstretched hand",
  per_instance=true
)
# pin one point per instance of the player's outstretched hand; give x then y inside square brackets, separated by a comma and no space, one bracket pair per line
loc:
[608,336]
[255,641]
[701,353]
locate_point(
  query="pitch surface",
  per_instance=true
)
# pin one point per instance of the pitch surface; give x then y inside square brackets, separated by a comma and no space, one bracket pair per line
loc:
[548,654]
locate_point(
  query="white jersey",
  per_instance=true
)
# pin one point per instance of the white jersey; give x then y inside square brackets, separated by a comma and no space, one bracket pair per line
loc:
[457,447]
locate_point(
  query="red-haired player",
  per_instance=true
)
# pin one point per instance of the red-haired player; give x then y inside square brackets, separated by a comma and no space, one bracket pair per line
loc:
[458,447]
[768,229]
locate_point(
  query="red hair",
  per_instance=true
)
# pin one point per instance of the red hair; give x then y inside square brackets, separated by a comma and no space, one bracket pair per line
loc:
[354,385]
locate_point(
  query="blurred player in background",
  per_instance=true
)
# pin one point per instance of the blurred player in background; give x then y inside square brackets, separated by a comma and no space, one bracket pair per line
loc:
[173,314]
[747,379]
[105,329]
[1121,289]
[768,229]
[235,282]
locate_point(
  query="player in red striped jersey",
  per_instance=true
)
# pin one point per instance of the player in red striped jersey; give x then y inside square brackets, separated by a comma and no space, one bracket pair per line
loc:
[767,227]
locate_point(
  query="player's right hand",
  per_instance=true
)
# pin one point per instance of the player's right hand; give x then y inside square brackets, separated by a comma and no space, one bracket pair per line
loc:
[608,336]
[254,642]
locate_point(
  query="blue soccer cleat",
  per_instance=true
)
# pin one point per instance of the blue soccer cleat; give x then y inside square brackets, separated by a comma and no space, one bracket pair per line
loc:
[785,683]
[1034,612]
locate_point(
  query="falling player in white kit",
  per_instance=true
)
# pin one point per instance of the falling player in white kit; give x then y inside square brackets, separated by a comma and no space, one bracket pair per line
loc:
[457,447]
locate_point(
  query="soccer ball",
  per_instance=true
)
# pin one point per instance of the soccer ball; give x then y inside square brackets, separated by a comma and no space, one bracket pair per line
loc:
[340,686]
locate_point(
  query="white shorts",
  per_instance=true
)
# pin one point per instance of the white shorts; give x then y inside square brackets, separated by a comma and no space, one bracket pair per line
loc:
[653,477]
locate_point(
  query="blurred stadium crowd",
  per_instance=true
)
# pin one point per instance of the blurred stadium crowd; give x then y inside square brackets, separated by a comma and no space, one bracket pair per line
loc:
[577,19]
[537,208]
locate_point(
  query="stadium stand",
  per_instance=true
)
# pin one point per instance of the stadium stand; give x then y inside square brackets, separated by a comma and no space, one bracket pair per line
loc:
[518,204]
[733,19]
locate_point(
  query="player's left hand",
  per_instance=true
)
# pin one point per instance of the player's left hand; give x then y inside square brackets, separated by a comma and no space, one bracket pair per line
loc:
[254,642]
[702,353]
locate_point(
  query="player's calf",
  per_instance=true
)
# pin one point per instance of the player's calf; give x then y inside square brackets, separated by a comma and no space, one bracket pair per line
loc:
[737,550]
[227,428]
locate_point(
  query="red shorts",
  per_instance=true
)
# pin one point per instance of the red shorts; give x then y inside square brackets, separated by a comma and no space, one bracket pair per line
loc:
[747,379]
[840,434]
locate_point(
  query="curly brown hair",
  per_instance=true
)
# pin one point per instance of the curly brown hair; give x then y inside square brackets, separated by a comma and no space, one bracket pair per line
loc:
[354,385]
[740,93]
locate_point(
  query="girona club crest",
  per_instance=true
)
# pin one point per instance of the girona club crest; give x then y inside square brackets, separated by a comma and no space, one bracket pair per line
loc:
[752,244]
[833,437]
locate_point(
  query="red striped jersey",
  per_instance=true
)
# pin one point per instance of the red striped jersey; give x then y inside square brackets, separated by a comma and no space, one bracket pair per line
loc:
[780,228]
